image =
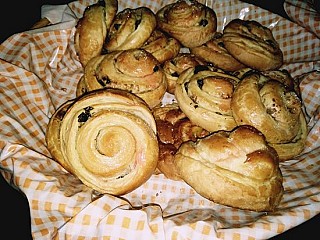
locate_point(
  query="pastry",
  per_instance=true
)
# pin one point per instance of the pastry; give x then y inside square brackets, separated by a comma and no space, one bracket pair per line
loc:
[214,52]
[235,168]
[92,28]
[162,46]
[252,44]
[130,29]
[174,67]
[204,95]
[173,128]
[106,138]
[189,21]
[274,108]
[133,70]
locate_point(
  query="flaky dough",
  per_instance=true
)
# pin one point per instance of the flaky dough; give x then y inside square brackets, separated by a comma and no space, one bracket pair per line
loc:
[236,169]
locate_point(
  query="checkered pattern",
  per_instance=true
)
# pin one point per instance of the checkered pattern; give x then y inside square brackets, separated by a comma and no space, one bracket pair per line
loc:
[39,71]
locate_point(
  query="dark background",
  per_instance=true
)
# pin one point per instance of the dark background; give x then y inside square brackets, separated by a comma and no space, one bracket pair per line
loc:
[20,16]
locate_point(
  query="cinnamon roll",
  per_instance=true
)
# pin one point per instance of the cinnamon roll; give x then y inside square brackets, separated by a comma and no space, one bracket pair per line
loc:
[204,95]
[174,67]
[252,44]
[214,52]
[189,21]
[92,28]
[161,46]
[133,70]
[106,138]
[173,128]
[235,168]
[130,29]
[274,108]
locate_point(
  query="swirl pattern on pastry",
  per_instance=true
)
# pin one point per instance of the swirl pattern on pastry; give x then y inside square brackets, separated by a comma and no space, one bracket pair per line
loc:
[214,52]
[161,46]
[133,70]
[204,95]
[252,44]
[130,29]
[174,67]
[107,138]
[236,168]
[274,108]
[189,21]
[92,28]
[173,128]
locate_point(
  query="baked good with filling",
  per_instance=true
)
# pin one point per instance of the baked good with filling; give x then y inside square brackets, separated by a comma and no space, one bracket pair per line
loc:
[269,102]
[106,138]
[189,21]
[252,44]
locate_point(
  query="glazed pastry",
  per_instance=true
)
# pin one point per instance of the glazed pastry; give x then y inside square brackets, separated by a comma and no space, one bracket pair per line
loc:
[174,67]
[204,95]
[214,52]
[189,21]
[252,44]
[134,70]
[274,108]
[235,168]
[161,46]
[92,28]
[173,128]
[130,29]
[106,138]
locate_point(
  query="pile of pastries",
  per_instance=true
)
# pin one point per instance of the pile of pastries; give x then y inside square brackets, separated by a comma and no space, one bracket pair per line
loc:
[234,117]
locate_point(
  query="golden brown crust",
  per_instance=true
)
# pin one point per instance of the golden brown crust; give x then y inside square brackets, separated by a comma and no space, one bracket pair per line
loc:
[236,169]
[213,51]
[92,28]
[175,66]
[107,138]
[133,70]
[173,128]
[274,108]
[130,29]
[204,95]
[161,46]
[190,22]
[252,44]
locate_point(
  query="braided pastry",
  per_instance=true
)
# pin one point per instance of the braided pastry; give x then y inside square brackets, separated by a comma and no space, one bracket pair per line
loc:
[130,29]
[189,21]
[252,44]
[161,46]
[215,53]
[174,67]
[107,138]
[173,128]
[133,70]
[92,28]
[204,95]
[235,168]
[274,108]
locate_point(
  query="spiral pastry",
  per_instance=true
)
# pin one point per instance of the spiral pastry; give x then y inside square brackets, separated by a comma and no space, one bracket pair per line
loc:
[235,168]
[204,95]
[215,53]
[174,67]
[161,46]
[173,128]
[252,44]
[274,108]
[189,21]
[107,138]
[130,29]
[133,70]
[91,29]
